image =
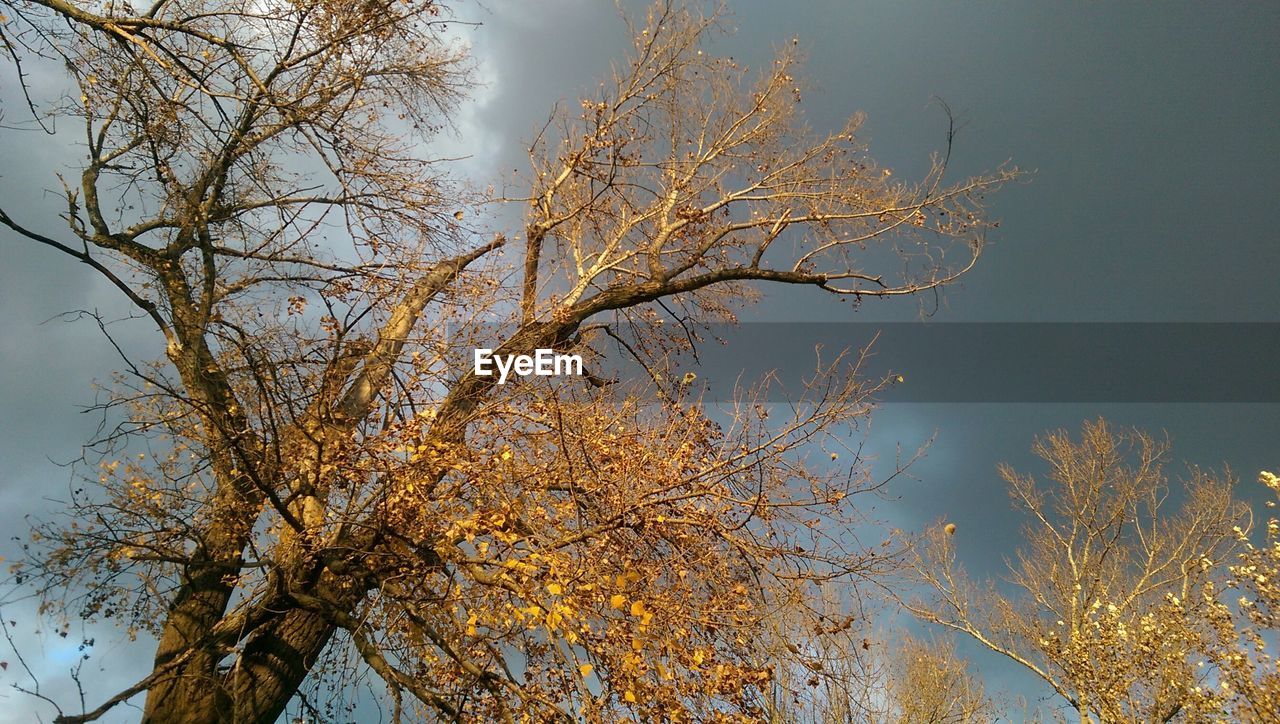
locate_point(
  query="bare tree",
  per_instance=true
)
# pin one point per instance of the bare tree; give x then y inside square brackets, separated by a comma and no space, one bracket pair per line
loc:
[1107,599]
[319,478]
[929,683]
[846,672]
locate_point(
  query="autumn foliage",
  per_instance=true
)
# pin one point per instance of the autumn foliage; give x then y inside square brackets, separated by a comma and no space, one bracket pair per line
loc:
[1134,596]
[308,488]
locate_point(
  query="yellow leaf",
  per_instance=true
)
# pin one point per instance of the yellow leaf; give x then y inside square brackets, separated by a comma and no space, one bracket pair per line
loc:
[586,670]
[555,589]
[637,608]
[618,601]
[630,696]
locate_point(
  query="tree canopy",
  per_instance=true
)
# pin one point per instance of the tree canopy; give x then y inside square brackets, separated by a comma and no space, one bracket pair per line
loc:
[323,489]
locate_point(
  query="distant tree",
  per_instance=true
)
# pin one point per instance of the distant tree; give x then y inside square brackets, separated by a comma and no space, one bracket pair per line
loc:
[929,684]
[843,675]
[315,476]
[1109,597]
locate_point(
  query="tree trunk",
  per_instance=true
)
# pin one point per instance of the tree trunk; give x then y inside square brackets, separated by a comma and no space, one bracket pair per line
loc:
[275,663]
[268,672]
[192,692]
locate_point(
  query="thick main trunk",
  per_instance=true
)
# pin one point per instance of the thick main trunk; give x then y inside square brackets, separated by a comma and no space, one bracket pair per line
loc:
[275,663]
[279,642]
[193,695]
[268,672]
[191,691]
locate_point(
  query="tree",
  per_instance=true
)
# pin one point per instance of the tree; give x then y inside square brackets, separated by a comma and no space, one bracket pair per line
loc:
[1244,616]
[319,477]
[1110,594]
[931,684]
[847,674]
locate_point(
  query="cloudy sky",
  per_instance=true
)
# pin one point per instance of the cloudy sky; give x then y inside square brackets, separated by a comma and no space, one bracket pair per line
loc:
[1151,133]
